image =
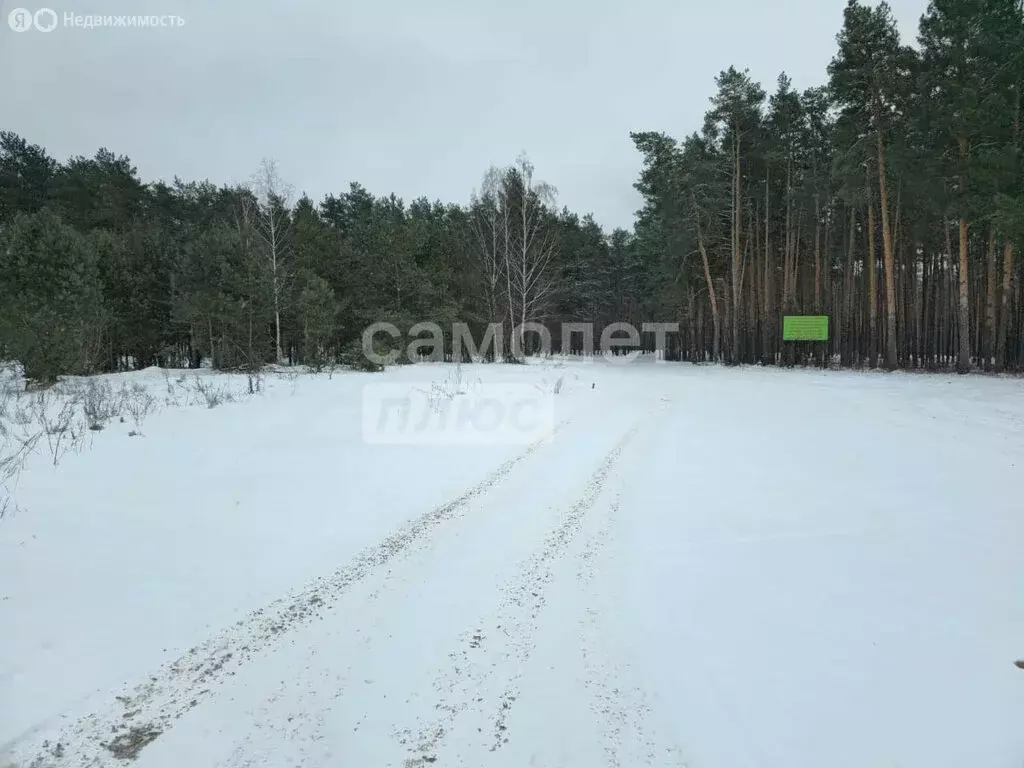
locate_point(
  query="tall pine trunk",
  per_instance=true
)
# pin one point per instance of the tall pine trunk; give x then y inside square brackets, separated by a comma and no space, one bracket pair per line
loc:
[872,268]
[846,350]
[1005,289]
[889,263]
[963,363]
[715,320]
[817,254]
[1004,305]
[736,253]
[767,329]
[988,347]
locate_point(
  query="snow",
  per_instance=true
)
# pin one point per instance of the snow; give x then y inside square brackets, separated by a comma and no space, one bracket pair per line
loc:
[699,566]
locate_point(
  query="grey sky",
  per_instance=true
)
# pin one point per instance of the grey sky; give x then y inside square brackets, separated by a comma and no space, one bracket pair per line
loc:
[404,96]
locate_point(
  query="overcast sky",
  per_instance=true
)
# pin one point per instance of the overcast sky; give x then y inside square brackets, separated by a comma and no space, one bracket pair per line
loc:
[404,96]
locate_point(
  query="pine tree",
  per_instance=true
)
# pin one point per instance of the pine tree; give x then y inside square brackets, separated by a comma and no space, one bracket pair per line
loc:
[51,309]
[869,78]
[735,115]
[967,52]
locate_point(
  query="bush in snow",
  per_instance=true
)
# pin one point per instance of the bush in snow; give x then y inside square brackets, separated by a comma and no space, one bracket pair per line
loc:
[255,378]
[139,403]
[211,394]
[99,402]
[354,358]
[554,389]
[18,438]
[453,385]
[62,423]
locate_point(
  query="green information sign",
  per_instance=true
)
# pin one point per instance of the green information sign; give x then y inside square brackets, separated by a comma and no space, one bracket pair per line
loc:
[805,328]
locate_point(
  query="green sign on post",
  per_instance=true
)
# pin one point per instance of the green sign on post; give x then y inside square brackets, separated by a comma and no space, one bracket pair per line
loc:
[805,328]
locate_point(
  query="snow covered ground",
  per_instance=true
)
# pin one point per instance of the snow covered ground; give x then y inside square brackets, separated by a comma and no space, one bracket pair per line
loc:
[702,567]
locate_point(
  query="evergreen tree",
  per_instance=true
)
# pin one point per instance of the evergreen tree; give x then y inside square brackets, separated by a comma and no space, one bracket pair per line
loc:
[870,79]
[51,308]
[968,74]
[26,177]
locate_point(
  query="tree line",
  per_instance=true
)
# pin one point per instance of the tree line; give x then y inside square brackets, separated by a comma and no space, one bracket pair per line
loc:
[890,198]
[102,272]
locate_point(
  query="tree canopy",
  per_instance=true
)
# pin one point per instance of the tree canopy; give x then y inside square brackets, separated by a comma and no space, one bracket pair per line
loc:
[889,198]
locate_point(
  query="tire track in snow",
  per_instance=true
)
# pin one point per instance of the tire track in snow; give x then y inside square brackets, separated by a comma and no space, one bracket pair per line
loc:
[622,708]
[140,715]
[459,685]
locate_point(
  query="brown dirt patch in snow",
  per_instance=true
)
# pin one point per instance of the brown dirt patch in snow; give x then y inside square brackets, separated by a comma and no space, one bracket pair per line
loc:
[128,745]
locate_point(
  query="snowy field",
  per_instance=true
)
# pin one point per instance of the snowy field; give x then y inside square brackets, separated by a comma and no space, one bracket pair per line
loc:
[704,567]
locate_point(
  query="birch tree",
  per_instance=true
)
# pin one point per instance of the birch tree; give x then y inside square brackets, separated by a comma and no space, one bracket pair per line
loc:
[487,224]
[272,222]
[530,283]
[514,235]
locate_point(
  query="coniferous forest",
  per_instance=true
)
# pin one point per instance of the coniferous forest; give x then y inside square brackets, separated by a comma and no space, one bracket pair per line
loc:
[890,198]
